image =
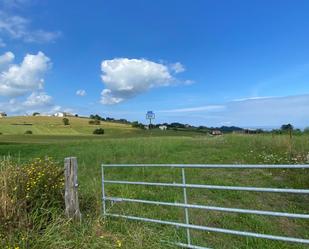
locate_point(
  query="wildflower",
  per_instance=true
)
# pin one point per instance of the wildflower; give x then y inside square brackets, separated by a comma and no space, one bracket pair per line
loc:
[119,244]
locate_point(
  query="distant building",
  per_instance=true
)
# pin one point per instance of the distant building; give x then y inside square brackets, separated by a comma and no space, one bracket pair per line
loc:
[250,131]
[163,127]
[3,114]
[59,114]
[216,132]
[63,114]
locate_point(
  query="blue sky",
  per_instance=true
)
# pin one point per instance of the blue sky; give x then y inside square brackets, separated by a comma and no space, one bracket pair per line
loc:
[201,62]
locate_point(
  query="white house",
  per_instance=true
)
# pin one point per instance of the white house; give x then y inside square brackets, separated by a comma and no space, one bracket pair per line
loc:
[3,114]
[63,114]
[59,114]
[216,132]
[163,127]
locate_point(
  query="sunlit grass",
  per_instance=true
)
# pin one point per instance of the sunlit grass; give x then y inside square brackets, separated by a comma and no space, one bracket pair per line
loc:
[96,232]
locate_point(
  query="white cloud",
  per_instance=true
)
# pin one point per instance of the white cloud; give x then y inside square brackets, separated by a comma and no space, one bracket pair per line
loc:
[125,78]
[18,27]
[177,67]
[5,60]
[40,99]
[251,98]
[20,79]
[81,92]
[35,102]
[107,98]
[270,111]
[195,109]
[266,112]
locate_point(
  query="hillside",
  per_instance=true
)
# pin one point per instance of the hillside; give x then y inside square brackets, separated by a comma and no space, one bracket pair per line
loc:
[54,126]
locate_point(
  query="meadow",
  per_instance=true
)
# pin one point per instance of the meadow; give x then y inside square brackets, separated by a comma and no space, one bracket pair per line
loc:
[123,144]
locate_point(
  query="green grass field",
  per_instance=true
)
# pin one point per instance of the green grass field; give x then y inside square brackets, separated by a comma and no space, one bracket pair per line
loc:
[123,144]
[54,126]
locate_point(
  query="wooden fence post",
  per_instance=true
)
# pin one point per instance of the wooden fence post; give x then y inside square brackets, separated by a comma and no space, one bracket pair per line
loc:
[71,194]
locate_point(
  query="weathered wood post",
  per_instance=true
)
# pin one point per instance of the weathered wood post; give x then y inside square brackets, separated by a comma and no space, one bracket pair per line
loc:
[71,186]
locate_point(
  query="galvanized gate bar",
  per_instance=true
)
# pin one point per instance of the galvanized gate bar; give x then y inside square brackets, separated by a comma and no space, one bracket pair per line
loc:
[103,191]
[188,246]
[210,166]
[185,199]
[186,206]
[216,187]
[211,208]
[214,229]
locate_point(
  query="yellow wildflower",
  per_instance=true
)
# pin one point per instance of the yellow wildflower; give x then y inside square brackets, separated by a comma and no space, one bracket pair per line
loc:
[119,244]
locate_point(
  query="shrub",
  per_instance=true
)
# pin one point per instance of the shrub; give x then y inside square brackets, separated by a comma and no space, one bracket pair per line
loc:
[94,122]
[98,131]
[136,124]
[29,190]
[66,121]
[28,132]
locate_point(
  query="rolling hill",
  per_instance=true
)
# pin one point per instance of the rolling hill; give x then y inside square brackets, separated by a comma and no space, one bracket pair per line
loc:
[54,126]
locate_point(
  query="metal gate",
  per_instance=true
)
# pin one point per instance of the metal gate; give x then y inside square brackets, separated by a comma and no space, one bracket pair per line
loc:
[187,225]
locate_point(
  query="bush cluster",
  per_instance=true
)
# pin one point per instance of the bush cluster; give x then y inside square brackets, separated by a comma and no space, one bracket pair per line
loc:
[99,131]
[94,122]
[66,121]
[29,189]
[28,132]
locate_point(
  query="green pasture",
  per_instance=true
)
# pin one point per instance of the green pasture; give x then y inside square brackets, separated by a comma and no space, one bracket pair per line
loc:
[123,144]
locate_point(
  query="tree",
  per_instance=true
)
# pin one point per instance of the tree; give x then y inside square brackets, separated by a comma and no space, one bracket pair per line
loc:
[96,116]
[287,127]
[136,124]
[35,114]
[66,121]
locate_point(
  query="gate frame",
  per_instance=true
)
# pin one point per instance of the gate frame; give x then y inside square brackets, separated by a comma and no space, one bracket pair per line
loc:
[187,206]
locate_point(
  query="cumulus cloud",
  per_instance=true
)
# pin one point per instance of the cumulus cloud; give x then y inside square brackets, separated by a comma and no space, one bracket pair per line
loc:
[108,98]
[81,93]
[125,78]
[40,99]
[5,60]
[17,80]
[18,27]
[36,102]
